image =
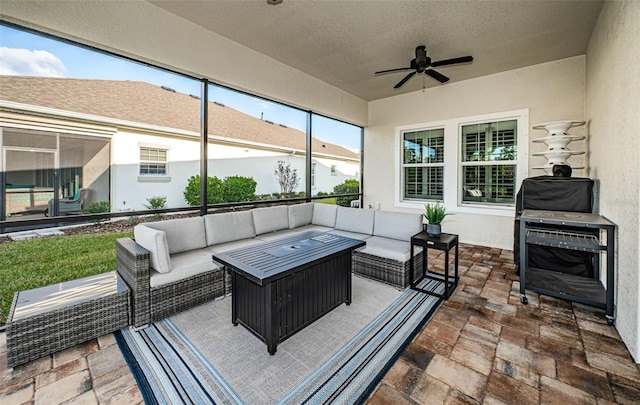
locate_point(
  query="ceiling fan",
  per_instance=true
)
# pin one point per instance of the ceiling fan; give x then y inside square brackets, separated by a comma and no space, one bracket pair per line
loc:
[421,64]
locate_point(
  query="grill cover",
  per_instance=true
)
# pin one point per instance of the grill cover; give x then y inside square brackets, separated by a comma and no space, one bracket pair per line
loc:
[573,194]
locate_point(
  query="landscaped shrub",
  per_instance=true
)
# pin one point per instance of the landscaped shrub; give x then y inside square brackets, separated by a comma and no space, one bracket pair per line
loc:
[98,207]
[156,203]
[238,188]
[231,189]
[215,188]
[349,186]
[134,220]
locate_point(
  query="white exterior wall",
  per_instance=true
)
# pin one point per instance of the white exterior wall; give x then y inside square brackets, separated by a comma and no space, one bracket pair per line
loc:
[129,190]
[613,113]
[550,91]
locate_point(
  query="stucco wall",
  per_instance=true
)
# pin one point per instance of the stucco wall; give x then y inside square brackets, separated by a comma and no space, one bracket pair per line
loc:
[551,91]
[613,113]
[145,32]
[130,191]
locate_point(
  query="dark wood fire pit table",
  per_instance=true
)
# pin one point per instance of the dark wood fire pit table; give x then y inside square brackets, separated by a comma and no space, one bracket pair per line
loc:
[280,287]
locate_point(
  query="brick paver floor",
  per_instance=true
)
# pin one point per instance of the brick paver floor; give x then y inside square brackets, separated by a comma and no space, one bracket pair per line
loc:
[482,346]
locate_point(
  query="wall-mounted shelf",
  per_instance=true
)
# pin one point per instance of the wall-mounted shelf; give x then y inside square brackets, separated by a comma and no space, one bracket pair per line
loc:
[557,151]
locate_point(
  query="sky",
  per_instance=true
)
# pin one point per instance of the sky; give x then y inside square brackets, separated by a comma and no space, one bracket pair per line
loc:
[26,54]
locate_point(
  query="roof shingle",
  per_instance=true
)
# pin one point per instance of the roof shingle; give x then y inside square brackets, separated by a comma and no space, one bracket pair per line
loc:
[153,105]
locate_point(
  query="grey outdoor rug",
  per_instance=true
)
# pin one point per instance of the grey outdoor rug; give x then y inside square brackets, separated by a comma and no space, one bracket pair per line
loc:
[199,357]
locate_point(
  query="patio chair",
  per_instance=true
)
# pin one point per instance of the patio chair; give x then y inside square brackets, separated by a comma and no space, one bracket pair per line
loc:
[69,206]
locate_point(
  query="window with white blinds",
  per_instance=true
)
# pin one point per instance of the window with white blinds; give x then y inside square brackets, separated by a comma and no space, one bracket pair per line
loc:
[489,161]
[423,164]
[153,161]
[471,164]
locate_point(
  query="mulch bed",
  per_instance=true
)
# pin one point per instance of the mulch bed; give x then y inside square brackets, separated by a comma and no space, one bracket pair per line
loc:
[124,225]
[118,226]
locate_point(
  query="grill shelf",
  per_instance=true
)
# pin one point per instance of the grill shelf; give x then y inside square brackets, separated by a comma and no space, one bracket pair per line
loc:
[564,239]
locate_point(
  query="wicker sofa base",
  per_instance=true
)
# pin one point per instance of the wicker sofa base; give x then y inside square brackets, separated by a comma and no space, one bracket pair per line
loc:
[386,270]
[47,332]
[172,298]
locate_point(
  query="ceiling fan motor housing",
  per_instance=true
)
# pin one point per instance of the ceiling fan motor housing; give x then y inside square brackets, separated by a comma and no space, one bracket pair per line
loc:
[422,63]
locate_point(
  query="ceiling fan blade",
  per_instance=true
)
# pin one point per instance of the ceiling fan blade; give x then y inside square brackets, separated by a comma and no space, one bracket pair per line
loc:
[438,76]
[462,59]
[393,70]
[403,81]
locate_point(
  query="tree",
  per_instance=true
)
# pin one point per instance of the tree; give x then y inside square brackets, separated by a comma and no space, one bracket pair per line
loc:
[288,178]
[348,187]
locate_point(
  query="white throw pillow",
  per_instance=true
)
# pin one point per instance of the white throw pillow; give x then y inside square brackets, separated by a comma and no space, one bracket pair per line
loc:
[155,242]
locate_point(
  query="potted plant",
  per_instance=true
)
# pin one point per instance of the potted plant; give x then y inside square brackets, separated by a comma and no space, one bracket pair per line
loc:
[434,213]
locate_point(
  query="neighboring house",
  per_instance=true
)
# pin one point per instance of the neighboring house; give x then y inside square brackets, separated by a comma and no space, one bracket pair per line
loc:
[127,141]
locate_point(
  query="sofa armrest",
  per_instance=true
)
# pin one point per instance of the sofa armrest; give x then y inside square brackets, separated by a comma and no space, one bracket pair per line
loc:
[132,264]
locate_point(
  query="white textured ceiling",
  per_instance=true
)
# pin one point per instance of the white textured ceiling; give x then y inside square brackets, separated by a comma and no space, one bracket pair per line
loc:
[343,42]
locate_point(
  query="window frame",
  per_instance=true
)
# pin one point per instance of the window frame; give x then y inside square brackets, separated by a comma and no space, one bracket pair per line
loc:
[486,163]
[452,162]
[151,177]
[422,164]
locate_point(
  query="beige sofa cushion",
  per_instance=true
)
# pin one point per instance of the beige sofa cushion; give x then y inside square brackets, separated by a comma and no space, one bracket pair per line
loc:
[155,242]
[185,265]
[270,219]
[392,249]
[183,234]
[355,220]
[300,215]
[228,227]
[396,225]
[324,215]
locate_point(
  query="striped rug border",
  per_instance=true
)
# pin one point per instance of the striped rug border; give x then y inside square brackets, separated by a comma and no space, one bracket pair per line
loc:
[170,369]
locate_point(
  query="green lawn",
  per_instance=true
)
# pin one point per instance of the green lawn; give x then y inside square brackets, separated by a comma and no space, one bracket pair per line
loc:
[38,262]
[328,200]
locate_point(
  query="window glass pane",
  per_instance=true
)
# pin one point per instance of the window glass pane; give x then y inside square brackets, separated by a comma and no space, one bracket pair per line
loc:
[257,148]
[423,158]
[424,183]
[505,141]
[336,153]
[424,146]
[153,161]
[144,154]
[489,183]
[489,141]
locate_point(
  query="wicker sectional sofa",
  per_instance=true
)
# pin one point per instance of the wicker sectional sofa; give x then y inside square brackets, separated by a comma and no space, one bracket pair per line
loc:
[168,265]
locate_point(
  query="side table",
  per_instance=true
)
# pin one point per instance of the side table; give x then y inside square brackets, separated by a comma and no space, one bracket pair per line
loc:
[52,318]
[444,242]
